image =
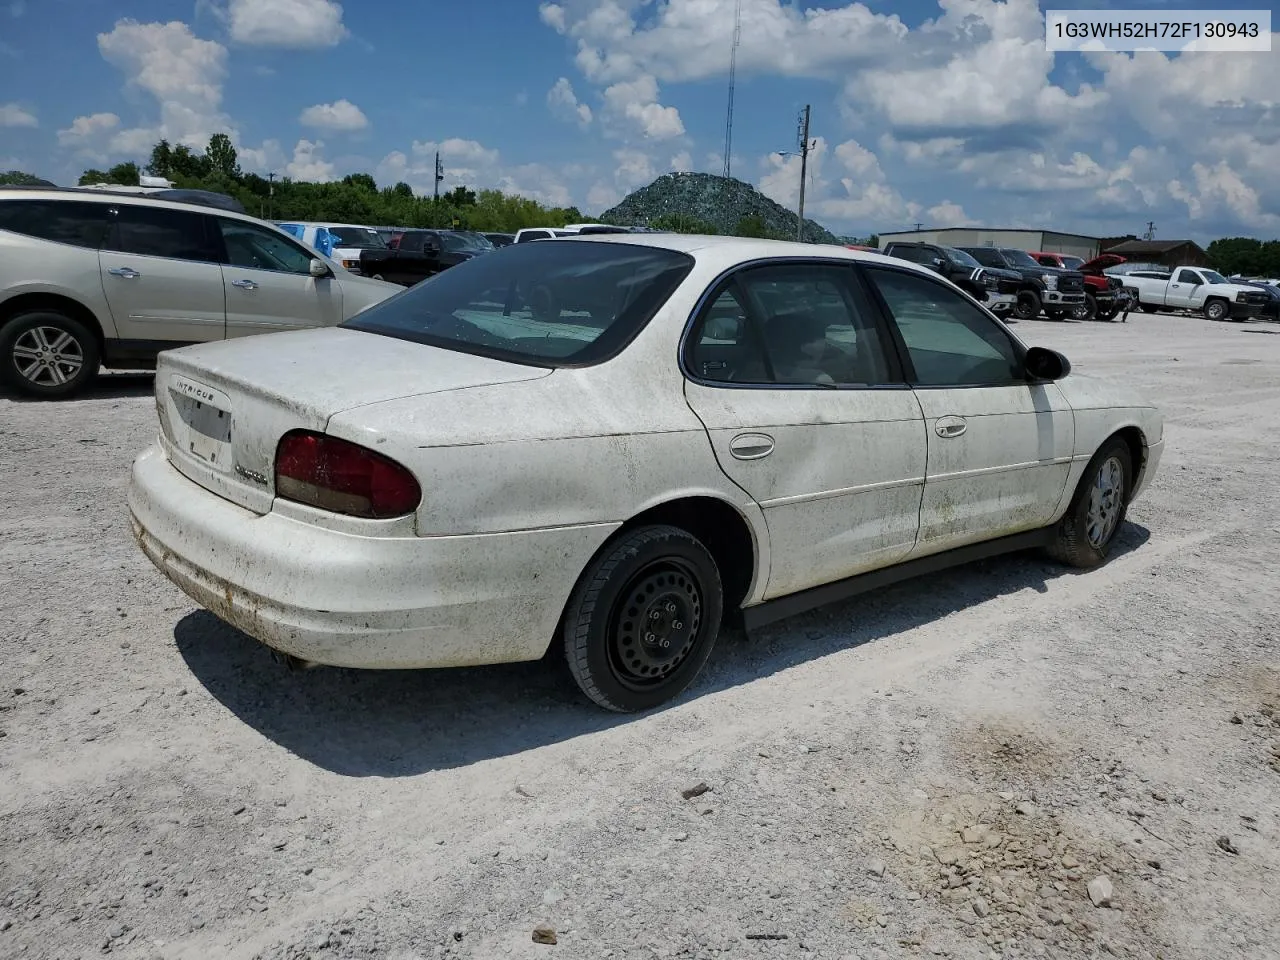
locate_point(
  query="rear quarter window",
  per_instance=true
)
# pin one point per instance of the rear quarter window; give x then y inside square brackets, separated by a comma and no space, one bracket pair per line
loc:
[74,222]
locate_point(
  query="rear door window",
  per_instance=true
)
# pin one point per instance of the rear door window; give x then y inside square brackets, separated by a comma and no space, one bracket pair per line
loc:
[75,222]
[160,232]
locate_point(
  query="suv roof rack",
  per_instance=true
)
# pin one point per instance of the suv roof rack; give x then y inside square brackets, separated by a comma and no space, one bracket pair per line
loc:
[204,198]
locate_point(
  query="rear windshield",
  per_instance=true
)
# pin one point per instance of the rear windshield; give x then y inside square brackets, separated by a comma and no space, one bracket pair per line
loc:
[1020,257]
[960,257]
[459,242]
[360,237]
[548,304]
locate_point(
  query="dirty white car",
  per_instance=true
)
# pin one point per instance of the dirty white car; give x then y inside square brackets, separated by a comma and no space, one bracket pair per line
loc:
[612,444]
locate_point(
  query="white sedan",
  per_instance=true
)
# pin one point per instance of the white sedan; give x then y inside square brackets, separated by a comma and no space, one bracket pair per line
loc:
[613,444]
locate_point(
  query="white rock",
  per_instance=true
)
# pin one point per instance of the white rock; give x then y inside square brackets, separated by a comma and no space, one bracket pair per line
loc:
[1100,891]
[875,868]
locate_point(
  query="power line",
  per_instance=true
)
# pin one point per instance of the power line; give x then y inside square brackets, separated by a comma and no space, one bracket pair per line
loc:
[733,70]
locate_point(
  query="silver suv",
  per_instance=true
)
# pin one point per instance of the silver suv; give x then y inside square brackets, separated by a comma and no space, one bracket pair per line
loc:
[91,279]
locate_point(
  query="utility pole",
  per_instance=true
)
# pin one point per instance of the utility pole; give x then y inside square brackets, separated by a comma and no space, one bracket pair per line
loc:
[733,69]
[918,226]
[271,195]
[1151,230]
[804,168]
[439,176]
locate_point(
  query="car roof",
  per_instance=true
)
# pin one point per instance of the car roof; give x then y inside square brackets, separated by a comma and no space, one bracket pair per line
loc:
[133,199]
[741,249]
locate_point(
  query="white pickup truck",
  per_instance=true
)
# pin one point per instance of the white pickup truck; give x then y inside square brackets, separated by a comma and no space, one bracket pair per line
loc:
[1195,288]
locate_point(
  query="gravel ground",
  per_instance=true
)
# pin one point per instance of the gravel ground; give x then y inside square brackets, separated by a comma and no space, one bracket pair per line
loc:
[944,768]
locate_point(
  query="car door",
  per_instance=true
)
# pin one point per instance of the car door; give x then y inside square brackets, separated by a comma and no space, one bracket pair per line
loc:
[787,367]
[1184,290]
[999,446]
[268,283]
[161,275]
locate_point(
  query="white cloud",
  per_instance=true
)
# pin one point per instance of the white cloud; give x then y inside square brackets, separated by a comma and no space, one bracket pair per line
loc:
[295,24]
[634,168]
[690,39]
[948,214]
[781,180]
[308,163]
[636,101]
[564,105]
[682,162]
[267,158]
[342,115]
[183,73]
[86,131]
[602,197]
[12,115]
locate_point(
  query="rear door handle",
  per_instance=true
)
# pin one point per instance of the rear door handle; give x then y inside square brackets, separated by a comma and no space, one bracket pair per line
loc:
[950,427]
[751,446]
[245,284]
[127,272]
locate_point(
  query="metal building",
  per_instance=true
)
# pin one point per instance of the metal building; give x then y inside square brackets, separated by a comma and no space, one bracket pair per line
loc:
[1043,241]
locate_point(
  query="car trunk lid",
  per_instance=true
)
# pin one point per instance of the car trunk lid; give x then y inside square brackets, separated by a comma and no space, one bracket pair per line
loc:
[224,406]
[1101,262]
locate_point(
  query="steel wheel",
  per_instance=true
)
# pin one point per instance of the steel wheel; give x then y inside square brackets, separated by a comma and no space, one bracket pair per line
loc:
[1215,310]
[643,618]
[1106,497]
[654,624]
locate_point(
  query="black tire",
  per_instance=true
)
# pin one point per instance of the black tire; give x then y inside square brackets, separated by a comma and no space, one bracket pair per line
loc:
[1216,310]
[1054,314]
[28,361]
[1074,544]
[1107,315]
[1028,305]
[1146,308]
[658,572]
[1087,310]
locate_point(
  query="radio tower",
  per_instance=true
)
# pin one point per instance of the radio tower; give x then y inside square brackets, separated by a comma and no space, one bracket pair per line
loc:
[733,69]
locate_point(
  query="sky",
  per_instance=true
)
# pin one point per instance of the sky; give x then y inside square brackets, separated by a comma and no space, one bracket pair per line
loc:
[940,112]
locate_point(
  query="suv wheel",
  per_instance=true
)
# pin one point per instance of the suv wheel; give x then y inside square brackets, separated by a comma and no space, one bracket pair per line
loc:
[1215,310]
[47,354]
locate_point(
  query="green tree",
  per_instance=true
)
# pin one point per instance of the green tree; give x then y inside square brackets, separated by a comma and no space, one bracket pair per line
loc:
[126,174]
[459,197]
[752,226]
[187,165]
[92,176]
[1245,255]
[161,164]
[19,178]
[221,156]
[681,223]
[361,180]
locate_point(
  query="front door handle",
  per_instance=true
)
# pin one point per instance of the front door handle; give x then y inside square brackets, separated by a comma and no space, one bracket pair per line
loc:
[950,427]
[127,272]
[245,284]
[751,446]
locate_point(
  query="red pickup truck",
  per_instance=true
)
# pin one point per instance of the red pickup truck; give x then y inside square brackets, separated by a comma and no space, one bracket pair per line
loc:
[1105,297]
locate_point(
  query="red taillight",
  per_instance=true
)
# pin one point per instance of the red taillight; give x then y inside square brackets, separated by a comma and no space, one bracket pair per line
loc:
[344,477]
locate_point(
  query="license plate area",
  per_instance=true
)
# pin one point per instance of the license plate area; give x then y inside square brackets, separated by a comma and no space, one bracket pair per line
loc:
[205,415]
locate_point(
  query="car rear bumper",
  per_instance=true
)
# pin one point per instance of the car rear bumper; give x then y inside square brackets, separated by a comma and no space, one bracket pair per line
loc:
[358,601]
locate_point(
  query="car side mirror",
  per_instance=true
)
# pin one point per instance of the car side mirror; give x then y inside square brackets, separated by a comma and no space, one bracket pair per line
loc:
[937,263]
[1041,363]
[319,269]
